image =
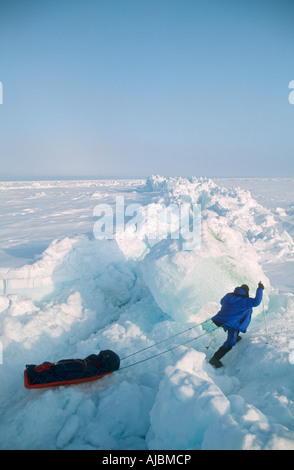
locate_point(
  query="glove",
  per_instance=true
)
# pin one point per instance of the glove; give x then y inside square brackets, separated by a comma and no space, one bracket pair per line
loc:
[260,285]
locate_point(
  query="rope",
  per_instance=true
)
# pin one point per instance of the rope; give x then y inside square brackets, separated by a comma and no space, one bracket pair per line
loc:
[213,336]
[177,346]
[167,350]
[265,323]
[163,340]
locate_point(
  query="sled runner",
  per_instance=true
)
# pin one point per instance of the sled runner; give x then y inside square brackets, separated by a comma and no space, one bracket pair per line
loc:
[71,371]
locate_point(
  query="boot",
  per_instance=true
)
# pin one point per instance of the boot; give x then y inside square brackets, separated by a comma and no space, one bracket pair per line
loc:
[215,360]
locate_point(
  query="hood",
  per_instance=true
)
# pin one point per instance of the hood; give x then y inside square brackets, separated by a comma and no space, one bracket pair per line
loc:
[234,297]
[241,292]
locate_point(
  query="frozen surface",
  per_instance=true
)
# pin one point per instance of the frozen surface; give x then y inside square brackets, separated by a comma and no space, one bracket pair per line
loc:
[63,293]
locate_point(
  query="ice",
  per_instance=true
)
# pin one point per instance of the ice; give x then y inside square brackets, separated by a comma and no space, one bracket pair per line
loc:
[186,404]
[64,293]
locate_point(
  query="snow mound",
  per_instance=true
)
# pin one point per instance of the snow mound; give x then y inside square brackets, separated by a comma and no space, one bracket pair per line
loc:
[188,402]
[133,293]
[185,283]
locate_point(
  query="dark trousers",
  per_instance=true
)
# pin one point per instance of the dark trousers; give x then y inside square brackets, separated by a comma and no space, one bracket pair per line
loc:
[232,338]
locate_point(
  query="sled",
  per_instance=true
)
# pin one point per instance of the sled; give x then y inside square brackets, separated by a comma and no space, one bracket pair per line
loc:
[71,371]
[28,384]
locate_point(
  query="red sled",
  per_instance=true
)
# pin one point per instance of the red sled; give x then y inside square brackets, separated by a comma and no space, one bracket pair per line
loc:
[29,385]
[71,371]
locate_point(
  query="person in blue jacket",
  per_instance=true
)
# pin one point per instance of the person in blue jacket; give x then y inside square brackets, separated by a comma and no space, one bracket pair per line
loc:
[235,316]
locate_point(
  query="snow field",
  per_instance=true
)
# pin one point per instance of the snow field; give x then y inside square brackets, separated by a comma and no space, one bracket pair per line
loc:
[79,295]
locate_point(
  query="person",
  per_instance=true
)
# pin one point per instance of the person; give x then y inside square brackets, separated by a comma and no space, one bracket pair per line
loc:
[235,317]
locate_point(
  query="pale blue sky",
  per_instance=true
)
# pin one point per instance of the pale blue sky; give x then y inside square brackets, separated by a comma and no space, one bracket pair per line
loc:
[130,88]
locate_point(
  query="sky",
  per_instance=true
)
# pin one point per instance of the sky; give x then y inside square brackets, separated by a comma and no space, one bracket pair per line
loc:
[133,88]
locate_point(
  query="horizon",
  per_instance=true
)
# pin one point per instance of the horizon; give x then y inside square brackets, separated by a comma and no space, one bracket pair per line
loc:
[121,178]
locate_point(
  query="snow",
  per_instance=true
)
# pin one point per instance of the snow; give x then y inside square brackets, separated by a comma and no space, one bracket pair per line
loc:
[66,293]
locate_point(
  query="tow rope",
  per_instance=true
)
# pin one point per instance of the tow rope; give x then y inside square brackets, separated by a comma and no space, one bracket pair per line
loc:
[167,350]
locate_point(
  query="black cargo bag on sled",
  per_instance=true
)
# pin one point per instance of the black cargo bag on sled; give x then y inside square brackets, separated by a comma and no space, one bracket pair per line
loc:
[71,371]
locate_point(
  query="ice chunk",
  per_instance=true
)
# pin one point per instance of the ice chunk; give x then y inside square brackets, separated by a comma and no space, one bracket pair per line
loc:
[185,406]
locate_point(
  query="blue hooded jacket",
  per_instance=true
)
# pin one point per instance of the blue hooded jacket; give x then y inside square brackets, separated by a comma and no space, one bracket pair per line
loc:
[236,309]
